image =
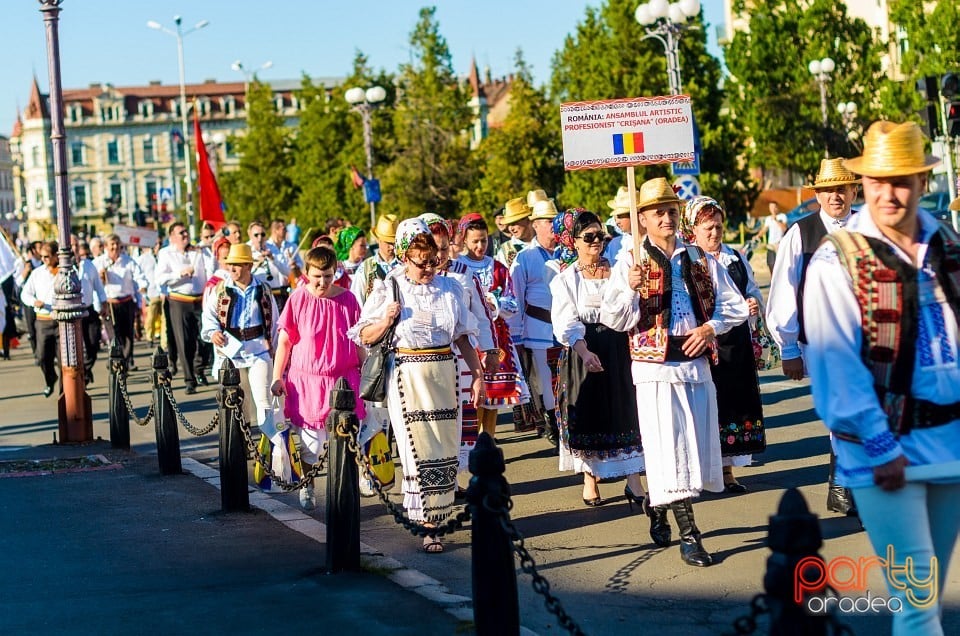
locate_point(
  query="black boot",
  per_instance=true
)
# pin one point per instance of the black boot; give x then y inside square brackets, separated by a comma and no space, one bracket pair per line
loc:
[552,430]
[660,530]
[839,499]
[691,550]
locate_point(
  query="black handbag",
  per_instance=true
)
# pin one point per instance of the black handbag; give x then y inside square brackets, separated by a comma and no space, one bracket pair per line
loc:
[373,374]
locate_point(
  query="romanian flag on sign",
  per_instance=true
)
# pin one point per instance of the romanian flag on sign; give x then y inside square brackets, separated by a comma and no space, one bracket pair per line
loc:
[357,178]
[628,143]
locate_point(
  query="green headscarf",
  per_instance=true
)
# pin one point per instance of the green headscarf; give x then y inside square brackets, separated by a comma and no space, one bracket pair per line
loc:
[345,240]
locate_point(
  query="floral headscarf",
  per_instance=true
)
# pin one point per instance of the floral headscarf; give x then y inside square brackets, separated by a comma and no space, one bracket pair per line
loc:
[406,231]
[563,234]
[693,210]
[345,240]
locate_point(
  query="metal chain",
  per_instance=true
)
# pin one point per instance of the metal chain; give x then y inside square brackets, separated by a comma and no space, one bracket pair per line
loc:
[453,523]
[759,606]
[118,368]
[540,584]
[164,380]
[263,460]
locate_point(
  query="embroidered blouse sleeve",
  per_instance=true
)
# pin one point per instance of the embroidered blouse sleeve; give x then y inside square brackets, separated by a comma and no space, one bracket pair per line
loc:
[567,326]
[620,306]
[782,318]
[209,322]
[842,385]
[373,310]
[730,309]
[466,324]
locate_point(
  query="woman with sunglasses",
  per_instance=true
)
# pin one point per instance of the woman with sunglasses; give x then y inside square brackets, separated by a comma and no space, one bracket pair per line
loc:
[735,374]
[599,432]
[428,315]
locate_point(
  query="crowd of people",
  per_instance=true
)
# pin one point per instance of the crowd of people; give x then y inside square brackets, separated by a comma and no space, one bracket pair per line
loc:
[630,344]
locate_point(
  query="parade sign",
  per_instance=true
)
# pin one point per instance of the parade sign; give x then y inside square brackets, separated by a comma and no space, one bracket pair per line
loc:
[136,236]
[617,133]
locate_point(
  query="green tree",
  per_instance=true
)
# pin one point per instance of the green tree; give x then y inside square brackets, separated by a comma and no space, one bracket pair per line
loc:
[260,188]
[431,160]
[522,154]
[775,97]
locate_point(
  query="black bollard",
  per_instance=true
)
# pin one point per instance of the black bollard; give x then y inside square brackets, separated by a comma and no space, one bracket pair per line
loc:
[168,435]
[496,608]
[234,496]
[794,535]
[343,483]
[119,415]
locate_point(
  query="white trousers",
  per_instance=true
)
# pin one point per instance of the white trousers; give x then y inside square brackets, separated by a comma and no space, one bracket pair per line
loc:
[259,377]
[920,521]
[546,380]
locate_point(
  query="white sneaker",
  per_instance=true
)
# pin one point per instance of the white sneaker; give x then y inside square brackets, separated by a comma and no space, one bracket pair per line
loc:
[366,488]
[307,500]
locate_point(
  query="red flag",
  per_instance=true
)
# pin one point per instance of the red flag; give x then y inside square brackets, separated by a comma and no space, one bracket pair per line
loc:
[211,203]
[357,178]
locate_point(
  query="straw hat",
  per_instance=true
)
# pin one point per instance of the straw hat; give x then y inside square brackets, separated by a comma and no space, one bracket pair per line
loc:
[833,173]
[386,229]
[654,192]
[545,209]
[892,150]
[240,254]
[515,210]
[536,195]
[620,204]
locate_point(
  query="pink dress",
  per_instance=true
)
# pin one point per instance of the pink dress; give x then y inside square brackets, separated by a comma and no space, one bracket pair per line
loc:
[320,354]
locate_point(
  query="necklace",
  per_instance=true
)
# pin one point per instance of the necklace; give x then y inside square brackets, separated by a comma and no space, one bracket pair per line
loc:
[593,268]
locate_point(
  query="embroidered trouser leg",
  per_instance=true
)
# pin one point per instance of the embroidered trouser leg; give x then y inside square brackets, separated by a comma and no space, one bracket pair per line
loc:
[919,522]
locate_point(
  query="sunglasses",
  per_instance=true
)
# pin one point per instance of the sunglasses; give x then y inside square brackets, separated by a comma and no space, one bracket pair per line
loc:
[592,237]
[433,262]
[259,234]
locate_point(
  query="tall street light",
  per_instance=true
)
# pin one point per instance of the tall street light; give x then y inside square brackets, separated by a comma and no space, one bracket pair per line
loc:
[848,114]
[179,34]
[75,423]
[821,71]
[666,22]
[247,74]
[365,102]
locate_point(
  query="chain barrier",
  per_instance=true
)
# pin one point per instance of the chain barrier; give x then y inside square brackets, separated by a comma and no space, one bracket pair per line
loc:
[119,369]
[164,380]
[759,606]
[264,461]
[451,525]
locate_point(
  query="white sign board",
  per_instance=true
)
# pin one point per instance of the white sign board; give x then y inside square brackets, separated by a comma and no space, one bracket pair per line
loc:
[616,133]
[136,236]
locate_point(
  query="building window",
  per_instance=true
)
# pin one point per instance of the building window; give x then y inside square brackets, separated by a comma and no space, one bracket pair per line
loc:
[279,103]
[146,108]
[116,194]
[148,156]
[76,113]
[76,153]
[178,143]
[113,152]
[35,157]
[79,197]
[38,198]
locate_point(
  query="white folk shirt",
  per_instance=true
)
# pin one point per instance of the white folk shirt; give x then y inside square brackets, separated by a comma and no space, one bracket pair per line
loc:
[124,276]
[269,270]
[171,262]
[245,313]
[148,265]
[620,310]
[92,292]
[285,256]
[531,273]
[782,312]
[475,300]
[576,303]
[842,385]
[39,286]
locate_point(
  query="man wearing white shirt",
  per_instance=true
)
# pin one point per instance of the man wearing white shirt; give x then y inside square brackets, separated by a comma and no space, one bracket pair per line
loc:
[287,260]
[154,310]
[37,293]
[94,300]
[776,226]
[180,267]
[623,242]
[266,266]
[122,280]
[22,270]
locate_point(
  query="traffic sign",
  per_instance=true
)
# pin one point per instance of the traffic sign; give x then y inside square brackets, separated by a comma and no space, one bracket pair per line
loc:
[371,190]
[688,167]
[166,194]
[688,186]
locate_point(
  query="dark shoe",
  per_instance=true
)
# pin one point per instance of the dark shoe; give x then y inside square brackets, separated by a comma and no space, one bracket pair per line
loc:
[460,494]
[660,530]
[633,499]
[593,503]
[692,551]
[88,377]
[839,499]
[190,390]
[552,431]
[48,391]
[202,380]
[734,488]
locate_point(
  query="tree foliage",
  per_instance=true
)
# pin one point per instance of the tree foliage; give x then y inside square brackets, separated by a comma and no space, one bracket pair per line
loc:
[521,155]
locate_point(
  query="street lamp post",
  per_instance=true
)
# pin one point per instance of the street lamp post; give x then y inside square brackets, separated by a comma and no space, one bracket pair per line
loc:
[821,71]
[179,34]
[848,114]
[249,75]
[365,102]
[666,22]
[75,423]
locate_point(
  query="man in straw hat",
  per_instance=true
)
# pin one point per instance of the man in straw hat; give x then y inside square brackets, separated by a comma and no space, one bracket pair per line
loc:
[382,261]
[881,321]
[835,188]
[673,300]
[516,219]
[622,243]
[531,274]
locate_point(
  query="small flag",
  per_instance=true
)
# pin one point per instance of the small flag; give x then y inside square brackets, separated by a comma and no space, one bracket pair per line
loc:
[628,143]
[357,178]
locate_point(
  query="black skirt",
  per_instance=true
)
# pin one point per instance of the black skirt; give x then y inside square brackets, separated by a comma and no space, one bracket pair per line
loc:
[738,394]
[598,411]
[9,292]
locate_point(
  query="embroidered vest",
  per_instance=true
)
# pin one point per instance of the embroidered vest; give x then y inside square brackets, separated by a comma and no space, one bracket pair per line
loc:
[226,298]
[648,339]
[886,290]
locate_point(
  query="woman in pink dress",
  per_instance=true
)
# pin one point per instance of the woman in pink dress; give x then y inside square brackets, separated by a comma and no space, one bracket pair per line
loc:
[313,352]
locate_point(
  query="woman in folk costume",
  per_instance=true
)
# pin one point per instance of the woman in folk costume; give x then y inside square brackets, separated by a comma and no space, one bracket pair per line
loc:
[735,374]
[485,342]
[674,300]
[504,381]
[351,248]
[423,394]
[597,406]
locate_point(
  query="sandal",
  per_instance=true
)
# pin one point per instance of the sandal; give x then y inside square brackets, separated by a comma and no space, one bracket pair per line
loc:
[432,545]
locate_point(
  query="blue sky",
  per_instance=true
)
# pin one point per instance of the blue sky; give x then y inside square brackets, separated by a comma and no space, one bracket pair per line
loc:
[108,40]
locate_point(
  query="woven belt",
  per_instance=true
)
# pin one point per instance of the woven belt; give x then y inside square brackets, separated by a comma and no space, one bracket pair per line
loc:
[278,291]
[922,414]
[184,298]
[248,333]
[120,300]
[425,352]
